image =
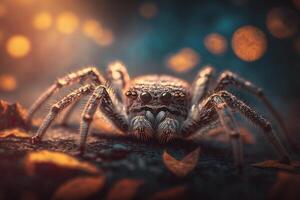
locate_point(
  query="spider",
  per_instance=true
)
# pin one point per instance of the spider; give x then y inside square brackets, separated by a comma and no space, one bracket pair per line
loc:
[160,107]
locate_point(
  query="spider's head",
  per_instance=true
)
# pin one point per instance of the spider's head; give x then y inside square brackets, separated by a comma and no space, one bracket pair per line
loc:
[157,103]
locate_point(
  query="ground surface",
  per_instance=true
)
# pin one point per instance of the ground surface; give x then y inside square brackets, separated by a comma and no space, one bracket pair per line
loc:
[213,178]
[121,168]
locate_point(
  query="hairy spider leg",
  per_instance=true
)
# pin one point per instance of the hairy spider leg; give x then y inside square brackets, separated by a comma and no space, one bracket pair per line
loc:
[88,73]
[109,106]
[118,78]
[58,107]
[230,126]
[228,78]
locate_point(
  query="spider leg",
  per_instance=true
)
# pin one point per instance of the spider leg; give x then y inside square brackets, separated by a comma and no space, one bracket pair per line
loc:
[228,78]
[107,105]
[207,114]
[58,107]
[118,78]
[229,124]
[257,119]
[201,84]
[75,77]
[67,114]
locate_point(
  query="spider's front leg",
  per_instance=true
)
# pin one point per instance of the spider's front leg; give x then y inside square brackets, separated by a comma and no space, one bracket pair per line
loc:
[206,115]
[109,105]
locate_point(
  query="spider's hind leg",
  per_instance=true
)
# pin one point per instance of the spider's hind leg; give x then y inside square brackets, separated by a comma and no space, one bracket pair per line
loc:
[228,78]
[89,73]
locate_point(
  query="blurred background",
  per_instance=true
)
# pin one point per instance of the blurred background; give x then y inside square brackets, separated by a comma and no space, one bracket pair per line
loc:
[41,40]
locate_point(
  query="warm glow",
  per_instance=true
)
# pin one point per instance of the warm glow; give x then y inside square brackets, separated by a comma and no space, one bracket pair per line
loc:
[106,38]
[7,82]
[215,43]
[18,46]
[67,23]
[184,60]
[249,43]
[91,28]
[94,30]
[282,22]
[148,10]
[42,21]
[3,10]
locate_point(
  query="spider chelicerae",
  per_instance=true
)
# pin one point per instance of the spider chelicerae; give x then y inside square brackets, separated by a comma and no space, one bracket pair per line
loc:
[160,107]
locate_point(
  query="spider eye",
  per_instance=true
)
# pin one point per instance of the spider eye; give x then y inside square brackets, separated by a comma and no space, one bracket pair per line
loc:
[166,97]
[131,94]
[145,97]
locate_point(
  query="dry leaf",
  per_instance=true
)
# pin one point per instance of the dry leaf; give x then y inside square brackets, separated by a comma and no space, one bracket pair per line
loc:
[12,116]
[182,167]
[124,189]
[80,188]
[13,133]
[286,187]
[51,162]
[274,164]
[178,192]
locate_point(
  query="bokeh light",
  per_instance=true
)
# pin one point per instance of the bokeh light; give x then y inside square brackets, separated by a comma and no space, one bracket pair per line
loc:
[18,46]
[215,43]
[3,10]
[94,30]
[148,10]
[91,28]
[67,22]
[282,22]
[184,60]
[7,82]
[42,21]
[249,43]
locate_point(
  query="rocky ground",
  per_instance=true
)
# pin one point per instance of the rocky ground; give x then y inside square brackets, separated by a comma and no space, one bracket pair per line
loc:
[117,167]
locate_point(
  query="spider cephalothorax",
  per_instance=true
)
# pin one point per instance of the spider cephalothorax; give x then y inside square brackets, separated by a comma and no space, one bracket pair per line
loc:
[156,106]
[160,107]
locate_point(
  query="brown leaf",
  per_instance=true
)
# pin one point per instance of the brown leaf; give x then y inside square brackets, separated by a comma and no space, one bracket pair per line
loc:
[13,133]
[124,189]
[80,188]
[178,192]
[12,116]
[286,187]
[274,164]
[51,162]
[181,167]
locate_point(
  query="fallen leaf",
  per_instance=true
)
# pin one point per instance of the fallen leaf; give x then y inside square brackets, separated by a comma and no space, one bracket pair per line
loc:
[181,167]
[13,133]
[274,164]
[124,189]
[286,186]
[12,116]
[49,162]
[80,188]
[178,192]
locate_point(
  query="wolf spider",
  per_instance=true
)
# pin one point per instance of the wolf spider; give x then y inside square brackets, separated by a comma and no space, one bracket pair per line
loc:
[159,107]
